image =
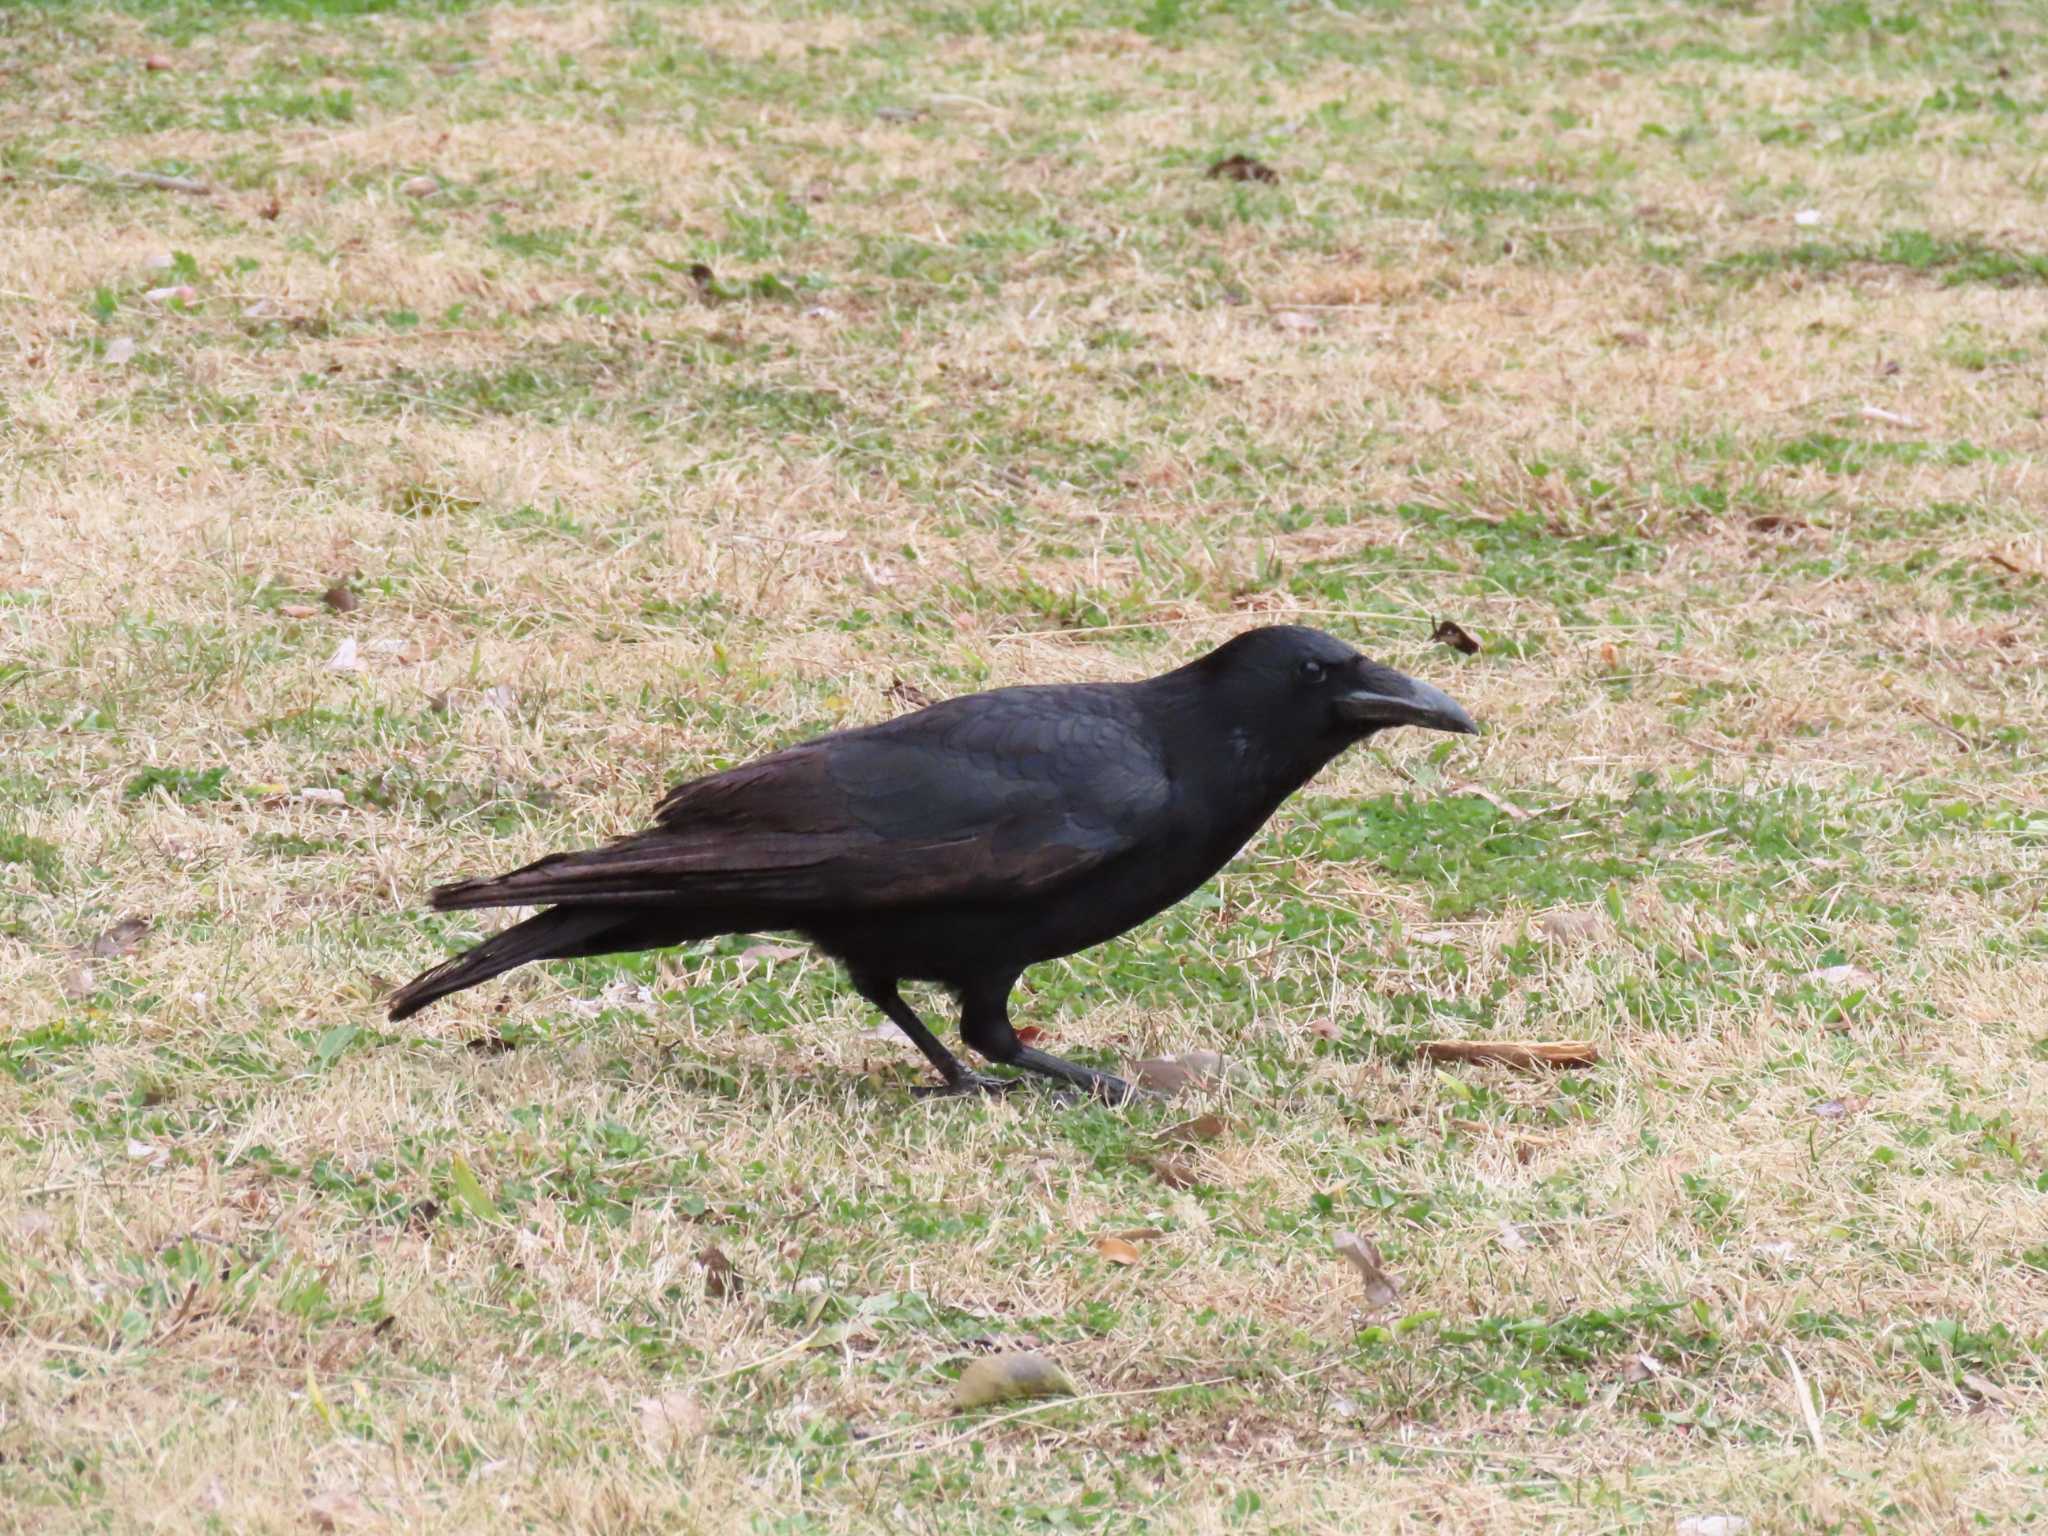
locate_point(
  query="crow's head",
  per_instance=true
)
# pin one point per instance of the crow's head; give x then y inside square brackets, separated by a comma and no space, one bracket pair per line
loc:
[1308,687]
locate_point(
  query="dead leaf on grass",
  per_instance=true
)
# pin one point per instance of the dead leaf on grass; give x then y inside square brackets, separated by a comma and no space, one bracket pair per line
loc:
[1117,1250]
[1450,632]
[906,695]
[769,954]
[1173,1172]
[1641,1367]
[721,1280]
[1241,168]
[121,939]
[345,657]
[1363,1255]
[1526,1054]
[1176,1074]
[298,610]
[998,1378]
[1201,1128]
[1711,1525]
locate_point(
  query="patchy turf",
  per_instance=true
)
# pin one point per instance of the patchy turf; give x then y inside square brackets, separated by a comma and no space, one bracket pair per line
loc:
[533,405]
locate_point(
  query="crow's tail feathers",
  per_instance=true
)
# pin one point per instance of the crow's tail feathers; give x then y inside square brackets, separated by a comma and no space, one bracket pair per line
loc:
[560,933]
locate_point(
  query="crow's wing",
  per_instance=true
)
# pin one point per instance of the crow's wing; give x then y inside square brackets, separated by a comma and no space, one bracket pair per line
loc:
[989,798]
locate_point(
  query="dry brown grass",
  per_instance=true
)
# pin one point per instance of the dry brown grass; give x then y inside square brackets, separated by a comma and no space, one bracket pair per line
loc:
[1539,346]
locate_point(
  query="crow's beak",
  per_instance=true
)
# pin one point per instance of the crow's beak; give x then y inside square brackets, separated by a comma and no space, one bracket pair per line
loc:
[1386,698]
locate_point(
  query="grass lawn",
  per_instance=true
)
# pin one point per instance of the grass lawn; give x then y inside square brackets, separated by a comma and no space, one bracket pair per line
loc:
[428,430]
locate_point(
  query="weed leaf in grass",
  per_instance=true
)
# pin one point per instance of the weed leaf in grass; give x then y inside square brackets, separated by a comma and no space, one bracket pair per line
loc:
[999,1378]
[469,1193]
[333,1042]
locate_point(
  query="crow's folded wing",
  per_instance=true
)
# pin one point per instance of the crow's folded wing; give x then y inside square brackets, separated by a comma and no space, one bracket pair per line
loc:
[988,798]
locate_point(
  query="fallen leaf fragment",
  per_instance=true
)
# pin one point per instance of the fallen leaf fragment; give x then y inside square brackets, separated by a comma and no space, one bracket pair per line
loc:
[119,940]
[758,954]
[1175,1074]
[1983,1387]
[1201,1128]
[1325,1029]
[298,610]
[998,1378]
[120,350]
[721,1281]
[345,657]
[1029,1034]
[1525,1054]
[1711,1525]
[184,293]
[419,186]
[1241,168]
[1173,1172]
[157,62]
[1511,1238]
[1363,1255]
[1117,1250]
[1450,632]
[906,695]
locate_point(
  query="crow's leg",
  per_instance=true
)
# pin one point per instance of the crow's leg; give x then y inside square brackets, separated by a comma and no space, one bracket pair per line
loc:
[985,1026]
[959,1079]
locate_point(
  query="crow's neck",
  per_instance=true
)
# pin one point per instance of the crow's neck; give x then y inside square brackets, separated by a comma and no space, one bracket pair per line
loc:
[1236,770]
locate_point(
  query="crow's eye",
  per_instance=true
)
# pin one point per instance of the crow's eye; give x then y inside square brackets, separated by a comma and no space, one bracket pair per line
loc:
[1312,671]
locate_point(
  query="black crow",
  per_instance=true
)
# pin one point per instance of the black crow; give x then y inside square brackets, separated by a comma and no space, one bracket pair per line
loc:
[969,840]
